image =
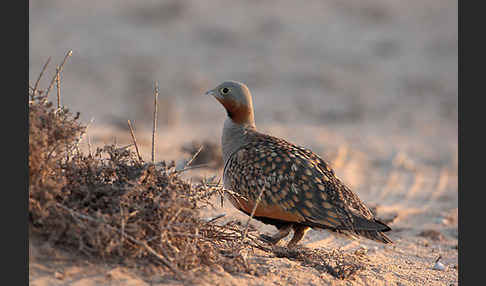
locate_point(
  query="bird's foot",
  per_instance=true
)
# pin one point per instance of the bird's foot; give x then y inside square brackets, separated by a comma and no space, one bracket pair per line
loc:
[268,239]
[282,232]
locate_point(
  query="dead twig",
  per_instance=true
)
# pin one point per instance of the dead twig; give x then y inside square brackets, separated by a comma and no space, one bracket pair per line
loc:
[58,84]
[134,140]
[89,146]
[438,258]
[194,156]
[122,223]
[252,213]
[34,89]
[215,218]
[154,126]
[68,54]
[191,167]
[234,194]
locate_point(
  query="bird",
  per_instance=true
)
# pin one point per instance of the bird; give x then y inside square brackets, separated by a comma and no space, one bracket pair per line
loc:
[284,184]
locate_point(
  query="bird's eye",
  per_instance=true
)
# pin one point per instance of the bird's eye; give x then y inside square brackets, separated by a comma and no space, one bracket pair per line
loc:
[224,90]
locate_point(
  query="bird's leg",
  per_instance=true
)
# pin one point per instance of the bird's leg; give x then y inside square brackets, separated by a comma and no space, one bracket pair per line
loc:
[282,232]
[299,232]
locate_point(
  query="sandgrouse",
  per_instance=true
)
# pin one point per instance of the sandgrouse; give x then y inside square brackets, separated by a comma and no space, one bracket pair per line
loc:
[300,190]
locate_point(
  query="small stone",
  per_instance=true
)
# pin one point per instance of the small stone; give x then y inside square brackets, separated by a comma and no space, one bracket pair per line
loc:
[439,266]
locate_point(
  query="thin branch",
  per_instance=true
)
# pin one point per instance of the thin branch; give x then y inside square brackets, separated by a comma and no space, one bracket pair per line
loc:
[154,126]
[134,140]
[89,146]
[58,84]
[215,218]
[68,54]
[191,167]
[252,213]
[40,76]
[233,193]
[221,193]
[194,156]
[122,223]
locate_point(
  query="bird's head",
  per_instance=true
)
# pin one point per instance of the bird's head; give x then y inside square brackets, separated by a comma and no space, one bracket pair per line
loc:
[236,99]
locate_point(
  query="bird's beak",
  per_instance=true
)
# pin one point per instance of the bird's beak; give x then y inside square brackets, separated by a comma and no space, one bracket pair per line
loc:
[210,92]
[215,94]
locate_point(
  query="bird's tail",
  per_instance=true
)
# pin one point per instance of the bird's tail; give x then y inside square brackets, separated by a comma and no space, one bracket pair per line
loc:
[375,235]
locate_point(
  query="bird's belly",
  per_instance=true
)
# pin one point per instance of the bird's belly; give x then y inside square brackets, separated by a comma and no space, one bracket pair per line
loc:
[264,210]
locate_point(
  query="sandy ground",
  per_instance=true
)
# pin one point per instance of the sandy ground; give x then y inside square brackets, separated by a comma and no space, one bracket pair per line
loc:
[371,86]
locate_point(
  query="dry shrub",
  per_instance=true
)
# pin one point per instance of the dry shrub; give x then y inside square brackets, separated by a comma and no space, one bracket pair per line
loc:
[112,205]
[51,133]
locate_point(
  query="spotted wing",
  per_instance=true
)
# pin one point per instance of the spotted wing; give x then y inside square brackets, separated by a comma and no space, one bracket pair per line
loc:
[298,186]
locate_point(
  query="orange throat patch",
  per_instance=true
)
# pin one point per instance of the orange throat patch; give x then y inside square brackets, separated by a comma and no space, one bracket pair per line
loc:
[239,113]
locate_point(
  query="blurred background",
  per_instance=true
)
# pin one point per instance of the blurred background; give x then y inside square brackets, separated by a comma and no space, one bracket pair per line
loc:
[378,78]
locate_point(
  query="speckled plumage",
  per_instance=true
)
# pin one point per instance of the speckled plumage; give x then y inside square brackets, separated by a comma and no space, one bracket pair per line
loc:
[300,190]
